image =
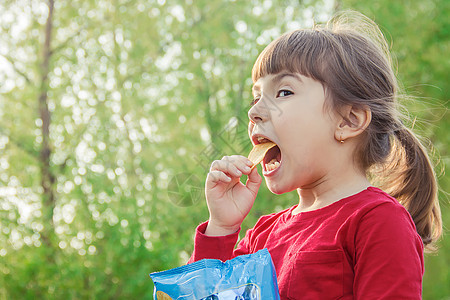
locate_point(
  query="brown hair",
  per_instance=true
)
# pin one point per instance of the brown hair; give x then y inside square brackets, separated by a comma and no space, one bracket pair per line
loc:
[350,57]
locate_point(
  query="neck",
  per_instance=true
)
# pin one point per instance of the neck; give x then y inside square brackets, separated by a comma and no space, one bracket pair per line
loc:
[330,189]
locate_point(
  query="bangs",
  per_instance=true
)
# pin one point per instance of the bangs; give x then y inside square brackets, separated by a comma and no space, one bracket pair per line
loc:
[300,51]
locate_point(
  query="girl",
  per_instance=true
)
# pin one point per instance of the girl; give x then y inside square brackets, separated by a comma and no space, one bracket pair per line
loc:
[327,98]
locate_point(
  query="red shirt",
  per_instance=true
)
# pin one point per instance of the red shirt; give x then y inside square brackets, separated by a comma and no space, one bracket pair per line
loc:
[361,247]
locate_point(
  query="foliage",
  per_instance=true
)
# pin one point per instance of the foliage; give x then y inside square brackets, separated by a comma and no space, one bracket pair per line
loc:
[144,92]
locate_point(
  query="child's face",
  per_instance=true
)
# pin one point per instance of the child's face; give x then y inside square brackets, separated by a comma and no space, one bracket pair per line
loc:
[290,111]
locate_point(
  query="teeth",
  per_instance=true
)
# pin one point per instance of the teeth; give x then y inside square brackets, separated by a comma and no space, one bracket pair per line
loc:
[262,139]
[272,165]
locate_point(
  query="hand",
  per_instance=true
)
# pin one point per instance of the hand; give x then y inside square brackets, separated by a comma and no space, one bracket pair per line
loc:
[229,200]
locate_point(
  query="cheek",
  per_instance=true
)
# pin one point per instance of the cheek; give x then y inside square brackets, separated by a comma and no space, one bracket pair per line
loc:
[290,125]
[251,125]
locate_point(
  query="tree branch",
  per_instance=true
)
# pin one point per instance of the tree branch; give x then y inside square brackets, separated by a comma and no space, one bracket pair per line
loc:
[18,144]
[16,69]
[63,44]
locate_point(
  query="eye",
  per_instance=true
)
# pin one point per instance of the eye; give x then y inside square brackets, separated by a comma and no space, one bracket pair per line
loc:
[284,93]
[254,101]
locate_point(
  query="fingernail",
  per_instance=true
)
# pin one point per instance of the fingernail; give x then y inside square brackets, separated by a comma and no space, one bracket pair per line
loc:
[238,173]
[247,169]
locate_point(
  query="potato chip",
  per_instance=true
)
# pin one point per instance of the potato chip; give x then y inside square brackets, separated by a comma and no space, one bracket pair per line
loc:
[162,296]
[259,151]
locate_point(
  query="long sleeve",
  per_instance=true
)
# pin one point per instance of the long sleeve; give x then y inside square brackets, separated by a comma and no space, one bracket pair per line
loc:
[389,256]
[218,247]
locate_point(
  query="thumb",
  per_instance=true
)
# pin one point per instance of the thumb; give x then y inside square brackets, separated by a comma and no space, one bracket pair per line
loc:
[254,181]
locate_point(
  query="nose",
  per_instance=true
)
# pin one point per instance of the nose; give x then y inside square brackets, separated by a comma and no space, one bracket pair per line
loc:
[258,112]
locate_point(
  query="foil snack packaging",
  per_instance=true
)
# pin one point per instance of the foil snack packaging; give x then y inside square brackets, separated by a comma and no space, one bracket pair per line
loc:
[246,277]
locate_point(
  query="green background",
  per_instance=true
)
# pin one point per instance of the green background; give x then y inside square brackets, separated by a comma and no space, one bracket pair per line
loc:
[143,96]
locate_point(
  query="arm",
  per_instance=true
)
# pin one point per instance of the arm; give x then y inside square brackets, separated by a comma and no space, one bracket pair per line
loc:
[217,247]
[388,255]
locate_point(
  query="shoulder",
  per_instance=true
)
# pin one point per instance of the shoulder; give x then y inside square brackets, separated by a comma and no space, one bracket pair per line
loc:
[374,201]
[374,213]
[257,236]
[267,222]
[270,218]
[382,216]
[373,196]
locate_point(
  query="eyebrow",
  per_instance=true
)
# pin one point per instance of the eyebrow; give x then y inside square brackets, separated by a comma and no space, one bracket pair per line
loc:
[278,78]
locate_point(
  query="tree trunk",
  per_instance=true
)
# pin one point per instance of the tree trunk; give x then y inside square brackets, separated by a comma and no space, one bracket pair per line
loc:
[47,177]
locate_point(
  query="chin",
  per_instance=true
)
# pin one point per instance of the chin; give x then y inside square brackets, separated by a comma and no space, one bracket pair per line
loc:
[277,189]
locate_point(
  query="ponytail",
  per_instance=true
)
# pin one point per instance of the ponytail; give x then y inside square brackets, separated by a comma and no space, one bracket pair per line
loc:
[409,177]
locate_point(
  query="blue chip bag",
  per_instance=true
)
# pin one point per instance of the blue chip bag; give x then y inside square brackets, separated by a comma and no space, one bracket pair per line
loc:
[246,277]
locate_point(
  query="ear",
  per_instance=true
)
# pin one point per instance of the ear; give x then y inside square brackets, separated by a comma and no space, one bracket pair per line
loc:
[352,122]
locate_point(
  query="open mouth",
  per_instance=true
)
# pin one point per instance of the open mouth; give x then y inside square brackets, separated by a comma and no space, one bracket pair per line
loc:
[272,160]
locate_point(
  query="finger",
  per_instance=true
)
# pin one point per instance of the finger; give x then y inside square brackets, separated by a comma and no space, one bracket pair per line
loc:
[217,176]
[243,160]
[253,181]
[226,165]
[242,163]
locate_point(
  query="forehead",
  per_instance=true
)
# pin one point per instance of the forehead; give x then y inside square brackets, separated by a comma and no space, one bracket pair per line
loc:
[274,79]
